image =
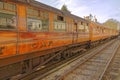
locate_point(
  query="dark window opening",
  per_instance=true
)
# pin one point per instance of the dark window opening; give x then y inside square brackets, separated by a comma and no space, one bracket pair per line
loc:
[87,24]
[60,18]
[81,23]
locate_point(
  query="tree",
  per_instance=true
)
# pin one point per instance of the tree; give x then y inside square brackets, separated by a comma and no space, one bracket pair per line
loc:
[64,8]
[90,17]
[112,23]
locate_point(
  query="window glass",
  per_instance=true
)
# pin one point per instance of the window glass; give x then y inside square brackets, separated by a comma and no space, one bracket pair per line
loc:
[7,16]
[37,20]
[45,25]
[81,23]
[36,25]
[55,25]
[81,27]
[9,6]
[32,12]
[45,15]
[1,5]
[59,23]
[86,29]
[7,21]
[29,11]
[59,26]
[36,12]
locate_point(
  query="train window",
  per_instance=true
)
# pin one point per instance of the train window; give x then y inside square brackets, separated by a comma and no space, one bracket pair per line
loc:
[36,25]
[37,20]
[87,24]
[60,18]
[81,23]
[9,6]
[7,21]
[81,27]
[59,23]
[59,26]
[44,15]
[7,16]
[1,5]
[86,28]
[32,12]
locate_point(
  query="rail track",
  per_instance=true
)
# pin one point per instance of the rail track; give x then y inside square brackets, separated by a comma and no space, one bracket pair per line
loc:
[113,70]
[89,67]
[44,71]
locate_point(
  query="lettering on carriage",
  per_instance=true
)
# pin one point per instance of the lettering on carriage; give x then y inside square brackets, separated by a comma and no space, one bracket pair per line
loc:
[42,45]
[46,44]
[34,45]
[1,49]
[50,43]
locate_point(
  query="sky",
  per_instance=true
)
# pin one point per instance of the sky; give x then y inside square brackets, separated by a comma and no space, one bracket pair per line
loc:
[102,9]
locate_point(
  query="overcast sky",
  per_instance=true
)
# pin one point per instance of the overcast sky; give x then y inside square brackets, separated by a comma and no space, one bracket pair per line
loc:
[103,9]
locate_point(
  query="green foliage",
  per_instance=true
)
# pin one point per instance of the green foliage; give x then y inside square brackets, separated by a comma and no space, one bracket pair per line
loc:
[64,8]
[112,23]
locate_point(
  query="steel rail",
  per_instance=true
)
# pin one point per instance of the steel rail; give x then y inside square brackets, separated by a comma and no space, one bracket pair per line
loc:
[117,47]
[61,77]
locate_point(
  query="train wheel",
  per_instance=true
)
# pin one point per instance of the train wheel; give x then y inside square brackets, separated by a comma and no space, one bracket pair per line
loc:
[25,66]
[65,55]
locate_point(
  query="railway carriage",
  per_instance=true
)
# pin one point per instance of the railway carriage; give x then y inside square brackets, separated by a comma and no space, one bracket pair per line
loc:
[31,33]
[27,29]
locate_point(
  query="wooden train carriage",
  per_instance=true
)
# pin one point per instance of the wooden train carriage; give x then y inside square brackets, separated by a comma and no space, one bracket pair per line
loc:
[82,31]
[32,32]
[97,31]
[100,32]
[27,27]
[105,33]
[8,29]
[115,33]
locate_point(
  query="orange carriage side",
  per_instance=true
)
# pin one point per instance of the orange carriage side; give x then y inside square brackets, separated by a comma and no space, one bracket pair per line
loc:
[8,29]
[36,29]
[96,32]
[83,31]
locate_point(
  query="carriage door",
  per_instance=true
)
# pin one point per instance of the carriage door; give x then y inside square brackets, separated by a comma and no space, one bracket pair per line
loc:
[75,33]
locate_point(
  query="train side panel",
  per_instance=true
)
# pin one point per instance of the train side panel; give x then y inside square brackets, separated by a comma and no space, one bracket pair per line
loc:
[8,29]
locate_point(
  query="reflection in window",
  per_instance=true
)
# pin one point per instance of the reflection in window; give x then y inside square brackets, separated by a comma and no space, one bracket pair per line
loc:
[32,12]
[59,26]
[60,23]
[37,25]
[37,20]
[7,21]
[1,5]
[81,27]
[7,16]
[86,29]
[9,6]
